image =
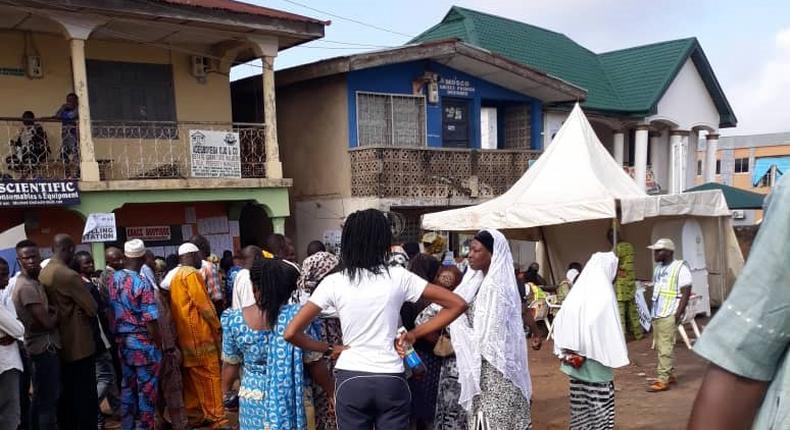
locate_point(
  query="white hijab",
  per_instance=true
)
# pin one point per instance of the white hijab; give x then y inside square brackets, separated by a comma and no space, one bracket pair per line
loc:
[589,321]
[498,333]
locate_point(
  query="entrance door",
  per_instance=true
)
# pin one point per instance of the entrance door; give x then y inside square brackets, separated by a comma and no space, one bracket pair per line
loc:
[455,123]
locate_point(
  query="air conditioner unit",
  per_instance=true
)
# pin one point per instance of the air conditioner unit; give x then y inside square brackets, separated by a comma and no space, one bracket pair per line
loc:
[200,66]
[738,214]
[34,67]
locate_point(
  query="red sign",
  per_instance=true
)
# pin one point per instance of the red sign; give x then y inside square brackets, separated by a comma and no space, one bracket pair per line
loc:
[152,233]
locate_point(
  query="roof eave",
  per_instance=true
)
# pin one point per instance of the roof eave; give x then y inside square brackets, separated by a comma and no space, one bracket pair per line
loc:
[429,50]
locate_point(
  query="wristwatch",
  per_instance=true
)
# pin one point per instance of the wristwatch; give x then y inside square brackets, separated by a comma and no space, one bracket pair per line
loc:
[329,350]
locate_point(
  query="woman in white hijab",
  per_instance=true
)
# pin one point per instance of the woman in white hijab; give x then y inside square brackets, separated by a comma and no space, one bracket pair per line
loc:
[489,340]
[589,340]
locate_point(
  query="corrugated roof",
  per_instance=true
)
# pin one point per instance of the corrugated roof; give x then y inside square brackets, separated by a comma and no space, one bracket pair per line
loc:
[629,81]
[245,8]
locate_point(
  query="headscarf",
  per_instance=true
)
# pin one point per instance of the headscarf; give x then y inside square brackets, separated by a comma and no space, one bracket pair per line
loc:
[589,321]
[571,275]
[498,335]
[314,269]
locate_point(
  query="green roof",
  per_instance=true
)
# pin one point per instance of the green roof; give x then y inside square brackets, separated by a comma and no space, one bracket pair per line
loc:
[736,198]
[627,82]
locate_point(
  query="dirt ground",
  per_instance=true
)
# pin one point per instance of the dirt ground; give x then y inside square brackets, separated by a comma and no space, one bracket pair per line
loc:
[635,408]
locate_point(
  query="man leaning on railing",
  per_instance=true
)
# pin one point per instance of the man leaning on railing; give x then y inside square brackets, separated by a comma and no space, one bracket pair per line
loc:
[30,148]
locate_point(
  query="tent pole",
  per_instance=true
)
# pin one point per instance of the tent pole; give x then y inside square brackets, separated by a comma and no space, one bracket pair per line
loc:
[548,255]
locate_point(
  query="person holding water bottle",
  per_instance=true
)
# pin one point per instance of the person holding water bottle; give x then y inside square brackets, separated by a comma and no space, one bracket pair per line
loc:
[366,295]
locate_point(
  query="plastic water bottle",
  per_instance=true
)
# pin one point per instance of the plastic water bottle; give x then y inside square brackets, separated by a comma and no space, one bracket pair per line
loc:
[412,359]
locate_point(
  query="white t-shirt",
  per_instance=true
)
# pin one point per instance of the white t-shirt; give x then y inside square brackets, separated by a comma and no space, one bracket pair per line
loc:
[369,312]
[243,295]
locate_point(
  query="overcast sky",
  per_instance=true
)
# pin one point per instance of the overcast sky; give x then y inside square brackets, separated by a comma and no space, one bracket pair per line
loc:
[747,43]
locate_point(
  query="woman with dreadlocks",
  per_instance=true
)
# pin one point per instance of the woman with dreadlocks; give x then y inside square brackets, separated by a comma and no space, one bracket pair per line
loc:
[367,295]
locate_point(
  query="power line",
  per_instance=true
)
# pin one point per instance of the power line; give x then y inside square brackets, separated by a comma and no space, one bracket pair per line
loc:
[376,27]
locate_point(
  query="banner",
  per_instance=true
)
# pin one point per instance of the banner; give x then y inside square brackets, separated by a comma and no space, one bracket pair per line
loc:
[99,228]
[151,233]
[39,193]
[645,318]
[215,154]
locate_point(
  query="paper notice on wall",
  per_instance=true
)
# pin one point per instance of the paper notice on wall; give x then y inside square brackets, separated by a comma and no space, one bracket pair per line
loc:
[234,229]
[213,225]
[186,231]
[220,243]
[332,240]
[190,215]
[158,251]
[99,227]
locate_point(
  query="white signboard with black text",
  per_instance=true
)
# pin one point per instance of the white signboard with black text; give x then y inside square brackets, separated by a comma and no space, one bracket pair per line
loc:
[99,228]
[215,154]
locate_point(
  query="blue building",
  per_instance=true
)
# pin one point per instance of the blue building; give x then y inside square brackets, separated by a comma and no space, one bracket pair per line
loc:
[408,130]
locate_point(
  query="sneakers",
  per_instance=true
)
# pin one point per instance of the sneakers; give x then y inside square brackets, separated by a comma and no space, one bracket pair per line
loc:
[658,386]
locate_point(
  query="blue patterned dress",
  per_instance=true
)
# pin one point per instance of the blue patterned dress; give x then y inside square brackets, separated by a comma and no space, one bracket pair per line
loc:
[271,394]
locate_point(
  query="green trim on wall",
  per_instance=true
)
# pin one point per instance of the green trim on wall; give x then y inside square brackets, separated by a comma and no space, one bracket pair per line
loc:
[273,200]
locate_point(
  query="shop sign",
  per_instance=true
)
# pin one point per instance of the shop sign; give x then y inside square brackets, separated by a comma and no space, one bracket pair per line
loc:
[215,154]
[453,86]
[99,228]
[153,233]
[39,193]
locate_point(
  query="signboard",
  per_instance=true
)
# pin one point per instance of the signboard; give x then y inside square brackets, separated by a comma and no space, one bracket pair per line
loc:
[99,228]
[215,154]
[153,233]
[27,194]
[645,318]
[453,86]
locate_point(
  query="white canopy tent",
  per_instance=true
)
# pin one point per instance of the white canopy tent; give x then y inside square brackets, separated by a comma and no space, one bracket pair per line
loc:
[570,196]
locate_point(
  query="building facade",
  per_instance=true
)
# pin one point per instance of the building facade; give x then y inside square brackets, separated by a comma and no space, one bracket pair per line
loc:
[649,104]
[150,135]
[750,162]
[409,130]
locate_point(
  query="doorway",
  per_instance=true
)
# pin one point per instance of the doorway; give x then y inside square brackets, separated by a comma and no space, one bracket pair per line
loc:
[455,123]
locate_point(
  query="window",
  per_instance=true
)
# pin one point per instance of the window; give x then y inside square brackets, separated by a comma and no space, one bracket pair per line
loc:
[699,167]
[128,99]
[741,165]
[518,127]
[718,167]
[390,120]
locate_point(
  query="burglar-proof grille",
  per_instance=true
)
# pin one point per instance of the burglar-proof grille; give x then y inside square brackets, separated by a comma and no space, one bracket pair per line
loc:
[390,120]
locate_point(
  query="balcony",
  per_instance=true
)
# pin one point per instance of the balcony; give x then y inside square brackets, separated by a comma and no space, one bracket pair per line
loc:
[124,151]
[391,172]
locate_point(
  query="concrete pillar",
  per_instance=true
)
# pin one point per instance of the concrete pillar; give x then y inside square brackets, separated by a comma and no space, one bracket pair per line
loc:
[655,142]
[97,249]
[711,150]
[640,156]
[274,168]
[678,141]
[618,146]
[89,168]
[278,225]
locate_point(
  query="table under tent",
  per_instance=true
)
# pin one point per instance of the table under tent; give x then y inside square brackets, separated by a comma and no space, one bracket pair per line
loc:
[569,198]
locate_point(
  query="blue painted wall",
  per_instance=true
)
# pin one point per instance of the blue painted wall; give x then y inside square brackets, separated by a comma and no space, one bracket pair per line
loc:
[397,78]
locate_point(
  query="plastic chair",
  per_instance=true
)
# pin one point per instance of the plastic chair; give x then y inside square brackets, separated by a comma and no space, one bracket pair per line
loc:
[688,318]
[551,302]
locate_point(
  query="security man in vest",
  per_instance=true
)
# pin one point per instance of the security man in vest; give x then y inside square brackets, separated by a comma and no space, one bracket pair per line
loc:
[671,291]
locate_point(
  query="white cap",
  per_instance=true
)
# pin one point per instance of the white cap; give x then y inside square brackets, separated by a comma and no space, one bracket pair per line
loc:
[663,244]
[187,248]
[134,248]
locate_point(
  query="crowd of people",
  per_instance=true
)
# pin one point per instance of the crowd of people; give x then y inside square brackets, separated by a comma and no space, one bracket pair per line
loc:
[177,342]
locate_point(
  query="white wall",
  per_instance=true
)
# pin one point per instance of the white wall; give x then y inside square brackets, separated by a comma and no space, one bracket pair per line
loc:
[552,121]
[687,102]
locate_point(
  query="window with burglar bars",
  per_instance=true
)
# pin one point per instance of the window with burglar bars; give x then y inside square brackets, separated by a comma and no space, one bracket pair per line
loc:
[390,120]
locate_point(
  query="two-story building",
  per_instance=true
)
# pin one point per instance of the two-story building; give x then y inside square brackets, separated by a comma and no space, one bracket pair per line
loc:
[649,104]
[133,117]
[408,130]
[749,162]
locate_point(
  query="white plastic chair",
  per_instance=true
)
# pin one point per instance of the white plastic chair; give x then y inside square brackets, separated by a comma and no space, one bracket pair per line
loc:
[688,318]
[551,302]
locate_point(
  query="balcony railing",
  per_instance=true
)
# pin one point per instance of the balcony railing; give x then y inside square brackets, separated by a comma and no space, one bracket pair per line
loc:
[435,172]
[124,151]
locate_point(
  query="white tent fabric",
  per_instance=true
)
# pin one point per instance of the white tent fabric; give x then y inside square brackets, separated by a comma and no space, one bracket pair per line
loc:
[574,180]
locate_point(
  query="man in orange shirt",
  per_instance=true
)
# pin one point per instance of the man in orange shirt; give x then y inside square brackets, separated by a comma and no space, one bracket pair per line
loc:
[198,331]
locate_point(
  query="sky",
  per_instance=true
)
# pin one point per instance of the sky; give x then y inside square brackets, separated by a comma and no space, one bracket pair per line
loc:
[747,43]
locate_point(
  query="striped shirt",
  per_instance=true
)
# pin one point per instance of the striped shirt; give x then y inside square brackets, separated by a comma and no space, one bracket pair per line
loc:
[668,279]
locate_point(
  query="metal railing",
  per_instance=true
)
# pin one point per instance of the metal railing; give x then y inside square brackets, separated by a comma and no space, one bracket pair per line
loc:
[48,149]
[436,172]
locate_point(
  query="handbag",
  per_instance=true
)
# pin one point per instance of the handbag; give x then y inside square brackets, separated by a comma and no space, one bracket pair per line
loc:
[443,347]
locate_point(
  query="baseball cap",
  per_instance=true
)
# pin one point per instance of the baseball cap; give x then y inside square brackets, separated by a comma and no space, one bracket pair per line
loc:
[663,244]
